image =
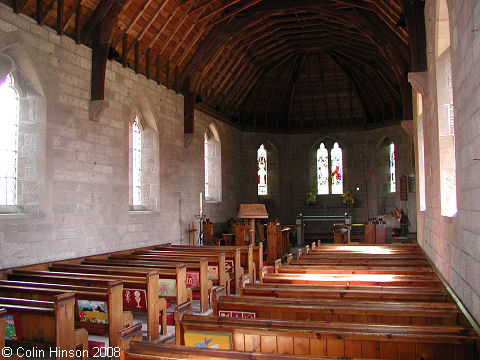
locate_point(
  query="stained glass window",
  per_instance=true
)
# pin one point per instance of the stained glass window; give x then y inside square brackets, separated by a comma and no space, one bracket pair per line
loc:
[329,181]
[337,169]
[391,150]
[262,170]
[322,170]
[136,163]
[8,142]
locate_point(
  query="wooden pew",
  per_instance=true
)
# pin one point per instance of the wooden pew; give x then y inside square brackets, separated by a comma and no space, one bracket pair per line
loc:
[3,322]
[48,326]
[215,259]
[304,260]
[343,269]
[343,340]
[352,279]
[146,284]
[354,292]
[109,294]
[199,266]
[178,274]
[251,257]
[365,247]
[154,351]
[356,311]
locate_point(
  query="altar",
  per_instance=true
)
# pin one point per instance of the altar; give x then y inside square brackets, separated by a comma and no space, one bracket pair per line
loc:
[303,219]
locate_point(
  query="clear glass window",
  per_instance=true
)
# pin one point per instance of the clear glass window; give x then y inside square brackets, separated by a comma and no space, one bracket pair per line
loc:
[136,163]
[9,104]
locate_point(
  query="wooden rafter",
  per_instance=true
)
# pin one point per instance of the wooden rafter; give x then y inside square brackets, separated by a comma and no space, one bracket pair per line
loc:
[133,20]
[19,5]
[145,27]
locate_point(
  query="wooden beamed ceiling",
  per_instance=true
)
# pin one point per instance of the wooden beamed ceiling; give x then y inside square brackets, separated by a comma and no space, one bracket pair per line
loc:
[275,65]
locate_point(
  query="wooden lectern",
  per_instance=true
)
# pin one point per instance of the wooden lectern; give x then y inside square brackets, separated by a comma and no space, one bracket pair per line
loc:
[252,212]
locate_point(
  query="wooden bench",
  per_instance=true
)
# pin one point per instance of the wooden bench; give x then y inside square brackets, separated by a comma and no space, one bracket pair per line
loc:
[3,322]
[154,351]
[251,257]
[354,292]
[353,269]
[196,266]
[278,243]
[180,294]
[48,326]
[333,261]
[145,284]
[352,279]
[357,311]
[345,340]
[217,267]
[107,296]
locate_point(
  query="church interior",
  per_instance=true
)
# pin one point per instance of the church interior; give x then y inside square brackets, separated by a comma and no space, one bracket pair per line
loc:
[230,179]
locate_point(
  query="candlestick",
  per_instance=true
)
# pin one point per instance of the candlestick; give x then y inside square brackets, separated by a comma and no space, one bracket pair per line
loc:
[201,205]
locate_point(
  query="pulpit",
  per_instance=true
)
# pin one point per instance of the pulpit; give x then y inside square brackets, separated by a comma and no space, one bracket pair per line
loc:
[252,212]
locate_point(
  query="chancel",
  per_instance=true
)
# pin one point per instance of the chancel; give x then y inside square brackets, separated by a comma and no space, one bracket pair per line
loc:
[178,176]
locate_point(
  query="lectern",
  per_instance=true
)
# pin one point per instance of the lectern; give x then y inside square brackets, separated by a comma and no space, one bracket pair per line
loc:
[252,212]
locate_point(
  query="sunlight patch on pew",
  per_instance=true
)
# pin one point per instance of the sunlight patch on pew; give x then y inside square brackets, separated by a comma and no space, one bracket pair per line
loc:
[365,249]
[349,277]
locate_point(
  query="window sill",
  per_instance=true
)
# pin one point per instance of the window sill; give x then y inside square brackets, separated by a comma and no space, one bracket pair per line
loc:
[143,212]
[213,201]
[13,216]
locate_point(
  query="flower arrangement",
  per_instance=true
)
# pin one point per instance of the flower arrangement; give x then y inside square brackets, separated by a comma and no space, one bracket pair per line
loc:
[310,199]
[348,200]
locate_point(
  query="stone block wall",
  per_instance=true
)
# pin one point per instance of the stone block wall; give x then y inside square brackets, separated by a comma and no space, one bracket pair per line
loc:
[453,243]
[82,177]
[294,172]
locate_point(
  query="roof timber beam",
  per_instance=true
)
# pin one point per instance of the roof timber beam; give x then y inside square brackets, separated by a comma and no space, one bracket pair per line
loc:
[221,33]
[340,39]
[98,31]
[415,19]
[236,11]
[345,68]
[138,14]
[64,21]
[145,27]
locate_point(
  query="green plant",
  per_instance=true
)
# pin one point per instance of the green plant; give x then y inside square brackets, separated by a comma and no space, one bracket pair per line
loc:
[310,199]
[348,200]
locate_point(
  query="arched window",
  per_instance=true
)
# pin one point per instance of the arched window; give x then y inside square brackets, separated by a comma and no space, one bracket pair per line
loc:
[213,165]
[421,154]
[9,103]
[391,156]
[446,114]
[262,175]
[329,182]
[322,170]
[337,169]
[136,161]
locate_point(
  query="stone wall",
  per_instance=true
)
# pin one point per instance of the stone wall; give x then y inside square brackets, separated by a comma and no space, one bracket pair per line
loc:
[292,173]
[453,242]
[79,204]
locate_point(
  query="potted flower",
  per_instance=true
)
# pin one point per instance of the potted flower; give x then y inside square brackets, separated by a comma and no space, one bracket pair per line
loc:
[348,200]
[310,199]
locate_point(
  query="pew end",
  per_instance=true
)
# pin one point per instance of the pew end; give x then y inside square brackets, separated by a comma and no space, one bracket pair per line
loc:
[277,264]
[299,253]
[289,258]
[216,292]
[81,341]
[3,321]
[261,274]
[132,333]
[180,311]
